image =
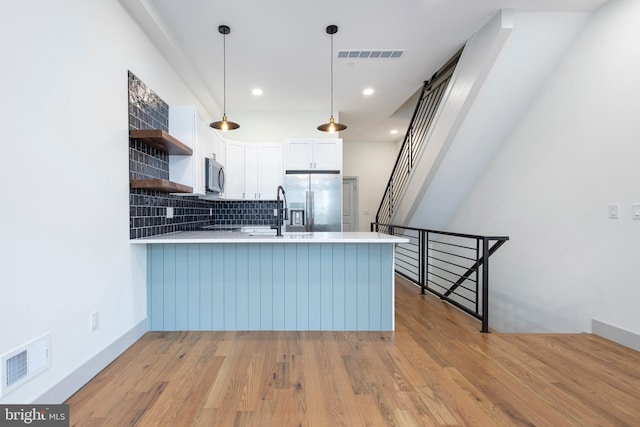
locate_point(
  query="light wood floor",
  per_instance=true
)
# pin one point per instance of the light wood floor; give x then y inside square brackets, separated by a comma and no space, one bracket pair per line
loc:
[435,369]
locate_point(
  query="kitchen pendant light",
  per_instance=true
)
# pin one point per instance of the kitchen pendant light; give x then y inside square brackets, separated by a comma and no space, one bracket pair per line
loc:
[224,125]
[332,126]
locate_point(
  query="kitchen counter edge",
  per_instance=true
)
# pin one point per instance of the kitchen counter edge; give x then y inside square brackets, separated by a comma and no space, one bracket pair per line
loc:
[237,237]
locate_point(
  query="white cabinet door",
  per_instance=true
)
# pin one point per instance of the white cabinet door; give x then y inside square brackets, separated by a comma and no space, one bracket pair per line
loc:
[234,170]
[188,126]
[299,154]
[251,161]
[327,154]
[270,170]
[310,154]
[263,170]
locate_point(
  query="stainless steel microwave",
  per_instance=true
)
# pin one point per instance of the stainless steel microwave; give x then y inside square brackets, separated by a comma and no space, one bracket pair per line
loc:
[214,176]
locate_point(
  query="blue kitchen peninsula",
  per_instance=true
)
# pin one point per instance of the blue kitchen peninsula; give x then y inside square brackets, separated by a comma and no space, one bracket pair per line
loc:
[231,281]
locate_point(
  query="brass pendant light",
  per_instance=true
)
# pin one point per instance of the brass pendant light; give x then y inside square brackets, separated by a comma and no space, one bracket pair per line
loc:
[224,125]
[332,126]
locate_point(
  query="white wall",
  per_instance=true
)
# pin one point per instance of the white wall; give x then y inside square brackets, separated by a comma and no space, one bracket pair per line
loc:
[372,163]
[572,153]
[64,233]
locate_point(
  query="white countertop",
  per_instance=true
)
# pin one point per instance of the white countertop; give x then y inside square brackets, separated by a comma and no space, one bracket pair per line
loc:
[206,236]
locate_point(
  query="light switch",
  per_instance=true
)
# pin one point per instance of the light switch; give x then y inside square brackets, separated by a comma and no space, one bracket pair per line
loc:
[169,212]
[635,211]
[614,211]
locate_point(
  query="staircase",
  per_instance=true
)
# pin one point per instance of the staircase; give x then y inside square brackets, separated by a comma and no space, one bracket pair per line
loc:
[416,136]
[442,109]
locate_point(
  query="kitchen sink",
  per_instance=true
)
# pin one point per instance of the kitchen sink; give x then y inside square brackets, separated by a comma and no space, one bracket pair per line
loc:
[268,231]
[258,230]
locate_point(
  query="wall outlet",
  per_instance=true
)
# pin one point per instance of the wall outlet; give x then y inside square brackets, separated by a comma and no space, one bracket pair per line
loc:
[169,212]
[94,321]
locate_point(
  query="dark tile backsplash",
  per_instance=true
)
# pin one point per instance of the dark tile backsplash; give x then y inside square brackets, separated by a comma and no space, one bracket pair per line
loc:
[146,109]
[147,216]
[146,161]
[243,212]
[147,212]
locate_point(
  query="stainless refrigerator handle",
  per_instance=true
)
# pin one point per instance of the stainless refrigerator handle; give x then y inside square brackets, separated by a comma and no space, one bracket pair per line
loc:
[309,210]
[313,214]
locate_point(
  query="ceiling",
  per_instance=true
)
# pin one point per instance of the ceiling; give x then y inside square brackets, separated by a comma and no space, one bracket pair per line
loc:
[281,46]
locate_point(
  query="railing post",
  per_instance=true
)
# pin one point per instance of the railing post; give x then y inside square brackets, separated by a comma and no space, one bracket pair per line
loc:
[485,286]
[478,264]
[390,200]
[410,151]
[424,238]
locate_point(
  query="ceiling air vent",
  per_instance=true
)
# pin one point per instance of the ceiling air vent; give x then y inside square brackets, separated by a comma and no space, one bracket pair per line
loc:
[371,53]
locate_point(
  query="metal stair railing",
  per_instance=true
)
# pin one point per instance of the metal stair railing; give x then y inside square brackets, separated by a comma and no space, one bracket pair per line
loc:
[453,266]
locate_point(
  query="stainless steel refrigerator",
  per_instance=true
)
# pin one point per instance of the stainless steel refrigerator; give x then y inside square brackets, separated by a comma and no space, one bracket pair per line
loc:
[314,200]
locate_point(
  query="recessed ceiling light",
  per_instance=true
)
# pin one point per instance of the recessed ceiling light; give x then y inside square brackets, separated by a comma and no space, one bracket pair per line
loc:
[368,91]
[257,91]
[393,131]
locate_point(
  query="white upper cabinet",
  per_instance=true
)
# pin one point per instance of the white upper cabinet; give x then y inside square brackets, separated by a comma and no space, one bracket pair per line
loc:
[189,126]
[270,170]
[298,154]
[253,170]
[234,170]
[251,161]
[313,154]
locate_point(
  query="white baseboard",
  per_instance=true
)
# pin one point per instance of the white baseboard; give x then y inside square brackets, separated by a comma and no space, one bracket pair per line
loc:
[616,334]
[74,381]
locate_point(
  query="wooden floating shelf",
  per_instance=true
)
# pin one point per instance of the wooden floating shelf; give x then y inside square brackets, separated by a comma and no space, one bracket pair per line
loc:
[163,185]
[161,140]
